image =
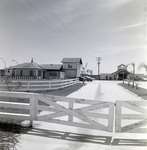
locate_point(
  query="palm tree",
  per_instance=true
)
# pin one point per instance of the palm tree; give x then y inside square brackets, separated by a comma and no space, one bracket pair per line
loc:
[143,65]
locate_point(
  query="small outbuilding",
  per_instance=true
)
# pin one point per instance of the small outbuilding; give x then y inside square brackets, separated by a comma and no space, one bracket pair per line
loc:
[72,67]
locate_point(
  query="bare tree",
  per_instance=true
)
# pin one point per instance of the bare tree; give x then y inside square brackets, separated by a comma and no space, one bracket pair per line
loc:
[83,68]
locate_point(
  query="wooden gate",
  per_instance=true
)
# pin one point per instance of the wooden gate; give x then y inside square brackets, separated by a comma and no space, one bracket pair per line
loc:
[131,116]
[75,112]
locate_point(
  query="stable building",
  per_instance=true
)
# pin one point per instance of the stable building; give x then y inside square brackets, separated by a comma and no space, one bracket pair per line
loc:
[120,74]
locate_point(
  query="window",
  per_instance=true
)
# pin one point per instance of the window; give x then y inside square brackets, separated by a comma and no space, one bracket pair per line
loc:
[20,72]
[69,66]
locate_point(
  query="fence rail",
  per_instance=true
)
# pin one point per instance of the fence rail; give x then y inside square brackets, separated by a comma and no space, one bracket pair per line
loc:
[76,112]
[137,118]
[36,85]
[88,113]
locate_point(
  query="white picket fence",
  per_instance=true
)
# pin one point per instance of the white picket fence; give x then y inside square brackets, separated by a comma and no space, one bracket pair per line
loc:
[36,85]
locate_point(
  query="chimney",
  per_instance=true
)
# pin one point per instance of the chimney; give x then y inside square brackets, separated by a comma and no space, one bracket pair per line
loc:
[32,60]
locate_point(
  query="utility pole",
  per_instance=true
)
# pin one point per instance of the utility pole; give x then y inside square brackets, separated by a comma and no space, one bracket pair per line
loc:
[133,64]
[98,62]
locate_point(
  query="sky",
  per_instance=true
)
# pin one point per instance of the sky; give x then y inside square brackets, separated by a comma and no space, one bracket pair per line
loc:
[49,30]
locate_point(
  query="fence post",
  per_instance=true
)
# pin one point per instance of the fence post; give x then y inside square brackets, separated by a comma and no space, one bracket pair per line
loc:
[70,117]
[61,84]
[49,85]
[118,117]
[28,85]
[33,108]
[111,117]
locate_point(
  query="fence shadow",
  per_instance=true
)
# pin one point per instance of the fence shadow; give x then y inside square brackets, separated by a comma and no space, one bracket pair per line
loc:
[87,138]
[129,142]
[69,136]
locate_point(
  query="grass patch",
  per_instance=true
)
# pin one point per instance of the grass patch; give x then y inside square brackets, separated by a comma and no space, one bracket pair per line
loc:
[10,135]
[140,91]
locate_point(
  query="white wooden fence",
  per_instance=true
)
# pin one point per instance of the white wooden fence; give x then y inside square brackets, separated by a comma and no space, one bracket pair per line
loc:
[36,85]
[55,107]
[75,112]
[131,116]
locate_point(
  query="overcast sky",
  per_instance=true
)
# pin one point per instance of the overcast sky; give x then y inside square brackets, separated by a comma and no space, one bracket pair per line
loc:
[49,30]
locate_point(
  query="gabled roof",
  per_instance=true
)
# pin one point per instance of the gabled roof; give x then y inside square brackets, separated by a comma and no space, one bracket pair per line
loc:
[121,65]
[72,60]
[121,70]
[27,66]
[51,66]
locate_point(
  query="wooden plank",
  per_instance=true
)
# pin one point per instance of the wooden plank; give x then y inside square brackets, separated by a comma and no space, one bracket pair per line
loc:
[134,107]
[70,117]
[15,94]
[134,125]
[118,117]
[33,107]
[96,115]
[61,114]
[75,124]
[14,105]
[73,113]
[73,100]
[46,108]
[133,116]
[14,116]
[111,117]
[95,107]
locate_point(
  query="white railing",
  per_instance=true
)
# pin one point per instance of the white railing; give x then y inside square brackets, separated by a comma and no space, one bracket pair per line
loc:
[131,116]
[36,85]
[57,107]
[49,108]
[8,106]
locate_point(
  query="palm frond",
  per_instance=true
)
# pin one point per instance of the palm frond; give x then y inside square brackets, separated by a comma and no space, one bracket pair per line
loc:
[143,65]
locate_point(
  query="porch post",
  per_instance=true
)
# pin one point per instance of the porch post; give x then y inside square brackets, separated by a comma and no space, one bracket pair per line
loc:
[37,74]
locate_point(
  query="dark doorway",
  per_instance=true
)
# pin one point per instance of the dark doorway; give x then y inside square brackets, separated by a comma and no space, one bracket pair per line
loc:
[43,74]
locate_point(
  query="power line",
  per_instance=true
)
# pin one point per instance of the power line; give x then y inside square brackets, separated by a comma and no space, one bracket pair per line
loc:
[94,67]
[43,22]
[46,18]
[53,14]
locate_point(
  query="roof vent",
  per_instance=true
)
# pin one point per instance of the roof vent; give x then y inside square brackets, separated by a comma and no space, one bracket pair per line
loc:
[32,60]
